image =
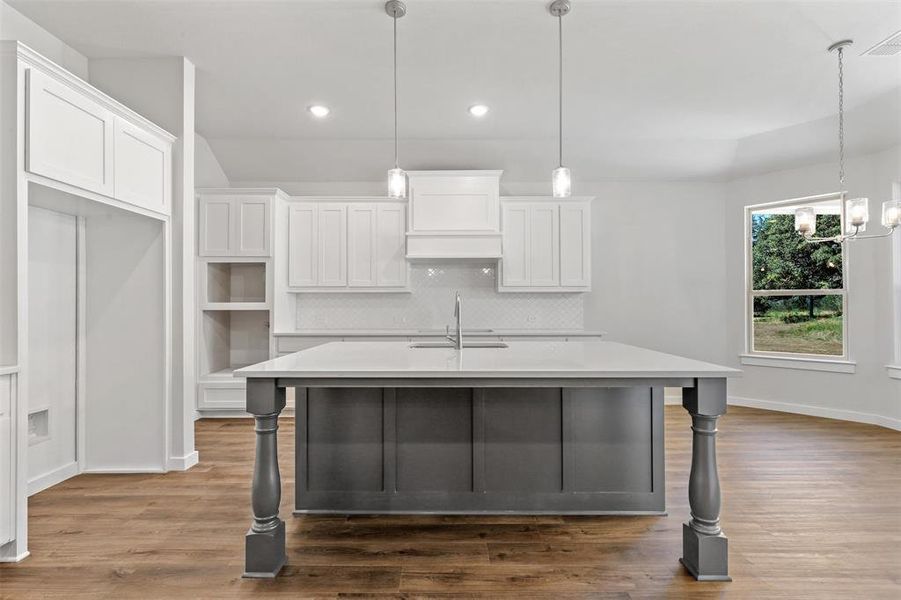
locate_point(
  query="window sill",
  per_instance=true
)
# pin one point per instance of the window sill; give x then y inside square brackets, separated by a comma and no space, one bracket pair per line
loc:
[894,371]
[830,365]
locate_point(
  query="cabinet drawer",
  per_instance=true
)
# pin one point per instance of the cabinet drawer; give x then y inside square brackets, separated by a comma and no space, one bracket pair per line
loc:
[70,137]
[287,345]
[143,167]
[215,397]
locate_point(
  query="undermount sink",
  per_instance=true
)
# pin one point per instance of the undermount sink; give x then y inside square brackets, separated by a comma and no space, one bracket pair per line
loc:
[465,345]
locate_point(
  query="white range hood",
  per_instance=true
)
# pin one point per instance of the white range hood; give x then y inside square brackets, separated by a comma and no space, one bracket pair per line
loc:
[454,215]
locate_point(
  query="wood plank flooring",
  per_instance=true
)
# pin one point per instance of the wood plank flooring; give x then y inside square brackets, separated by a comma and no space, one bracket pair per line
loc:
[812,508]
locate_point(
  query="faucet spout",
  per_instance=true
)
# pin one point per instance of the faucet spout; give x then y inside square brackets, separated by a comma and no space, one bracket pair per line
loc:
[458,314]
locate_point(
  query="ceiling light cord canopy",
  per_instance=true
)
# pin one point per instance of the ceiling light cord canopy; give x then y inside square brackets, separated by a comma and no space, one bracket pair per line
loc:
[561,179]
[397,178]
[855,211]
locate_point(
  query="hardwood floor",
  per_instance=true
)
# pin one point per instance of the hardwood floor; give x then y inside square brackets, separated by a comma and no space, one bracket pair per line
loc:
[812,508]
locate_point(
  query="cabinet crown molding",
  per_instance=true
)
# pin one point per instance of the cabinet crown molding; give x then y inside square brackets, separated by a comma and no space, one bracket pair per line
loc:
[38,61]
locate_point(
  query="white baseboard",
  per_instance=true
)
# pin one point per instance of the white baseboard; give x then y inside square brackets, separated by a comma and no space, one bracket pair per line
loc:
[183,463]
[123,470]
[15,558]
[41,483]
[818,411]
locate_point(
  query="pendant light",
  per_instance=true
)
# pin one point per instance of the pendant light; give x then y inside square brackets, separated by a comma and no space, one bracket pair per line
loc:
[561,180]
[855,210]
[397,179]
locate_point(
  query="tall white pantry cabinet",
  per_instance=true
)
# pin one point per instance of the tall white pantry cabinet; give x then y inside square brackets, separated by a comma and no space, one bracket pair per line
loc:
[234,288]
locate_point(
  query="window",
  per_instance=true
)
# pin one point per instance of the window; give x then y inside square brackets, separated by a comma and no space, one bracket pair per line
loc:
[797,302]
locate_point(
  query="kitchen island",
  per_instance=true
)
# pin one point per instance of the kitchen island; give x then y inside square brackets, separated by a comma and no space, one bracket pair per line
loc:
[533,427]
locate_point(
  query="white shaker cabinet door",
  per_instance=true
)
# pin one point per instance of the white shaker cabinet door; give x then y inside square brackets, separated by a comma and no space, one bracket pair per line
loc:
[216,225]
[544,248]
[361,245]
[515,266]
[391,239]
[252,226]
[70,137]
[143,167]
[575,245]
[303,245]
[332,245]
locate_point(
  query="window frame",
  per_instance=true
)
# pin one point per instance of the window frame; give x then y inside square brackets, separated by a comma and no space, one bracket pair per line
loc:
[751,293]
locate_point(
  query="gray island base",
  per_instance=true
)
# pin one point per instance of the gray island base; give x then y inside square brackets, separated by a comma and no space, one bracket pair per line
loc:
[540,427]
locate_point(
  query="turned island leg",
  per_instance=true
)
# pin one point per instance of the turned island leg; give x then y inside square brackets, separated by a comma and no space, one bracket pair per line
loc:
[705,549]
[264,544]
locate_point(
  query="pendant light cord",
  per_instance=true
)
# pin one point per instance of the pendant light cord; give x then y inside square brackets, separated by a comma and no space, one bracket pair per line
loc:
[395,91]
[560,97]
[841,120]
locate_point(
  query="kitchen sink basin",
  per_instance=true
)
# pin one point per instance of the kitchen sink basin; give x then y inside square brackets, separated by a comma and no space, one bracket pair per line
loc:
[465,345]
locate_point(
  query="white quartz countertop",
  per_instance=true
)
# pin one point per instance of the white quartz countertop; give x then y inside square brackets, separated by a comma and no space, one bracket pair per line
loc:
[522,359]
[440,333]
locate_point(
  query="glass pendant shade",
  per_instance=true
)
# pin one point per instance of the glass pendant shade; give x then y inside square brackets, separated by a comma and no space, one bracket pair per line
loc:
[806,221]
[891,213]
[562,183]
[397,183]
[857,212]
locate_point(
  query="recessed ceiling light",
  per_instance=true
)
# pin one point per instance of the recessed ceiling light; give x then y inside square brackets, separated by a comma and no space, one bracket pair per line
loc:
[478,110]
[319,111]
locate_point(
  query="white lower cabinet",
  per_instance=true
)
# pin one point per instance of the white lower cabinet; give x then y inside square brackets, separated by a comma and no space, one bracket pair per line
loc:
[546,246]
[221,396]
[347,246]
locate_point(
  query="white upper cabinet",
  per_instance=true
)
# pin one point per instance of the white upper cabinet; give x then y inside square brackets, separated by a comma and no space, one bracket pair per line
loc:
[70,137]
[79,136]
[544,245]
[234,224]
[361,248]
[303,244]
[575,245]
[547,246]
[390,256]
[332,245]
[454,214]
[143,173]
[350,246]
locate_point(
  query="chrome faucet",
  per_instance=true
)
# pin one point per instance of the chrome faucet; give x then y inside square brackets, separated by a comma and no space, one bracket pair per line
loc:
[458,315]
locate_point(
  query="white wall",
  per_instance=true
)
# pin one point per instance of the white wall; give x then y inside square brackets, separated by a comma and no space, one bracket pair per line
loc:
[869,394]
[208,172]
[15,26]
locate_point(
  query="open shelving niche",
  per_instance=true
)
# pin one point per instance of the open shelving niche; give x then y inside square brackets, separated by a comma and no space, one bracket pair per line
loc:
[235,317]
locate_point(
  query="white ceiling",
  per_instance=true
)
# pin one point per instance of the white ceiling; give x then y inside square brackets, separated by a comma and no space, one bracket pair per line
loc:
[659,90]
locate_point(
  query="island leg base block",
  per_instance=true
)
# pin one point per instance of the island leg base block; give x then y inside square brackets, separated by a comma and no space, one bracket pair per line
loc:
[705,556]
[264,553]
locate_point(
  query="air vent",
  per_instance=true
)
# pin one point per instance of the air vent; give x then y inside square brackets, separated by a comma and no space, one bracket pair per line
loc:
[887,47]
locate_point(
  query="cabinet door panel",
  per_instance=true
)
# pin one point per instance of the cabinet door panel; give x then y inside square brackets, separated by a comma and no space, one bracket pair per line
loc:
[303,245]
[516,245]
[544,249]
[361,249]
[216,226]
[70,137]
[252,227]
[575,245]
[332,245]
[143,172]
[391,261]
